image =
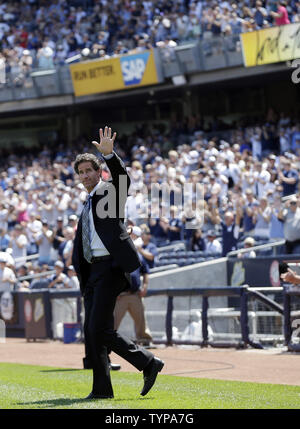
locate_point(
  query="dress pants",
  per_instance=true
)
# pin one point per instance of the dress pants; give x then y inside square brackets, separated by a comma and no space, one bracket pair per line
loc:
[105,282]
[133,303]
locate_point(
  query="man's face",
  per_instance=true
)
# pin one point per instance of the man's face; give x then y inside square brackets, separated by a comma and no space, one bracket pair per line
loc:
[293,205]
[146,237]
[88,176]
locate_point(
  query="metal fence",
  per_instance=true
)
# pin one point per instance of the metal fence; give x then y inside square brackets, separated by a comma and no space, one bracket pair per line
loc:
[262,316]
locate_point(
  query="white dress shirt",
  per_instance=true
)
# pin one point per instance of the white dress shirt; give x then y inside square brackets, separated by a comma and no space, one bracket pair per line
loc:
[97,246]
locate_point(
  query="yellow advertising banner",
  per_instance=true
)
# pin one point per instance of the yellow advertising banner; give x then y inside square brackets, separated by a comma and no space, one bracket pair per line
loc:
[271,45]
[114,74]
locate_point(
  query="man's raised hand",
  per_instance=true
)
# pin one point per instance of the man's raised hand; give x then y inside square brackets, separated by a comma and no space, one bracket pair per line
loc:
[106,144]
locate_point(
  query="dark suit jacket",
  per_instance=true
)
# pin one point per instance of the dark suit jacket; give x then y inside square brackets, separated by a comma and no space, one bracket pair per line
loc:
[110,229]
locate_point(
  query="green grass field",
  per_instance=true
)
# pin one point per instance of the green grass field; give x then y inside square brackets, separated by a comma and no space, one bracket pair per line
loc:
[29,387]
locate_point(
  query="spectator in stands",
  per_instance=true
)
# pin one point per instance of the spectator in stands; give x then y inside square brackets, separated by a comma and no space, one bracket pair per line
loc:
[290,216]
[45,57]
[262,179]
[58,234]
[73,282]
[73,220]
[22,284]
[230,229]
[281,16]
[19,244]
[197,241]
[248,243]
[261,218]
[159,229]
[44,240]
[59,280]
[259,14]
[148,250]
[248,212]
[212,245]
[289,178]
[66,248]
[7,276]
[276,226]
[33,227]
[175,226]
[4,240]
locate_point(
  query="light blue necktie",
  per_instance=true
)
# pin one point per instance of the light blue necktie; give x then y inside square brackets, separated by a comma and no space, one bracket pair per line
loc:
[87,251]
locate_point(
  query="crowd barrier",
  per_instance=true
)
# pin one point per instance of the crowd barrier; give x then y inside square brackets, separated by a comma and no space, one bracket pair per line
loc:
[32,314]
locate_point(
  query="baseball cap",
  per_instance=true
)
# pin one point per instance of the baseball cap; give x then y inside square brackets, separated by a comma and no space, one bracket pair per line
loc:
[211,233]
[59,264]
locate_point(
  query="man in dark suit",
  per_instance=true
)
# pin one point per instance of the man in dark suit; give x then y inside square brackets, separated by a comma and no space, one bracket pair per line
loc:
[103,257]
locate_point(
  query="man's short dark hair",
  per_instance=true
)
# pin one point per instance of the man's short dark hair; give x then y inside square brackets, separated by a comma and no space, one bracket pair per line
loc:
[87,157]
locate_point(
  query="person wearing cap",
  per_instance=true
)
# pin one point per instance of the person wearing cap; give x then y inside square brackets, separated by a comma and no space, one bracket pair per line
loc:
[212,245]
[103,257]
[132,300]
[73,221]
[248,243]
[59,280]
[73,282]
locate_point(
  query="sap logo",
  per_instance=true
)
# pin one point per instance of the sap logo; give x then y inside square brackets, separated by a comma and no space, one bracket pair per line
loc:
[133,68]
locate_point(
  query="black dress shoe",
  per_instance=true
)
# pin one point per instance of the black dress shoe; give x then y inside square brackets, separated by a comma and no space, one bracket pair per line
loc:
[114,366]
[150,374]
[96,396]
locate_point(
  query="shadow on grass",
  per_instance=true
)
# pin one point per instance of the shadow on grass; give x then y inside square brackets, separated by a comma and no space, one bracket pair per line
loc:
[65,402]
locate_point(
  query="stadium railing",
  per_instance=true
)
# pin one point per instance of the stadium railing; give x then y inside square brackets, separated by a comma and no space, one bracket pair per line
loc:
[249,324]
[274,245]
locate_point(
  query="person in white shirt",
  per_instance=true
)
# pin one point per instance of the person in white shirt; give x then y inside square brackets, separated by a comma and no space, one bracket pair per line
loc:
[33,228]
[73,282]
[19,244]
[262,179]
[262,218]
[212,244]
[248,243]
[44,240]
[7,276]
[59,280]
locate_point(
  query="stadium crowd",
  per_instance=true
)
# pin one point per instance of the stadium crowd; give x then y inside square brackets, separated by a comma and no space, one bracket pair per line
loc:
[245,179]
[41,34]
